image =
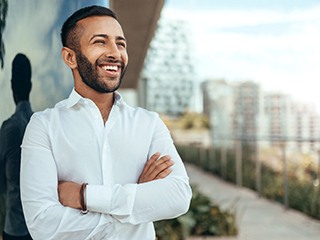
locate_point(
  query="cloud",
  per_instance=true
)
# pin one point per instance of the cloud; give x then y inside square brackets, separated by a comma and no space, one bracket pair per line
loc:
[233,18]
[279,49]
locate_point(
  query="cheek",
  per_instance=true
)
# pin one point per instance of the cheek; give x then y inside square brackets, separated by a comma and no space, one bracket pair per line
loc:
[125,59]
[92,54]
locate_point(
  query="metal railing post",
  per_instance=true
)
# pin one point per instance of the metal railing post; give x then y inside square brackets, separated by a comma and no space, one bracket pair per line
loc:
[224,161]
[239,162]
[285,176]
[258,169]
[318,173]
[212,158]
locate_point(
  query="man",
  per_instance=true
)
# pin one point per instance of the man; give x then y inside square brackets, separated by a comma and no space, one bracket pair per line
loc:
[94,167]
[11,135]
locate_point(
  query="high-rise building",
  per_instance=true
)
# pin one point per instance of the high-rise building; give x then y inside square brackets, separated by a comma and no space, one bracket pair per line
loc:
[168,74]
[242,110]
[247,109]
[218,98]
[307,127]
[279,115]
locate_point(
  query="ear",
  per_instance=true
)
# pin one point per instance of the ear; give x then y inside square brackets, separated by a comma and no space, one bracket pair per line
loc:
[69,57]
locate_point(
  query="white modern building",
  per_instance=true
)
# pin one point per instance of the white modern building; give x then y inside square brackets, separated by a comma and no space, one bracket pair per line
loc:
[280,122]
[168,74]
[248,110]
[218,98]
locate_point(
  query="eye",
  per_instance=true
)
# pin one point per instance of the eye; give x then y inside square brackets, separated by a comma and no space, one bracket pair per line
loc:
[122,44]
[99,41]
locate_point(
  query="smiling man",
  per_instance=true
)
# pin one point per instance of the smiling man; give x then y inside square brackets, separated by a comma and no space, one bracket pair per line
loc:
[92,166]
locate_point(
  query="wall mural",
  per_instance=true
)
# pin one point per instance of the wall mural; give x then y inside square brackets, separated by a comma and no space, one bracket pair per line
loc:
[33,27]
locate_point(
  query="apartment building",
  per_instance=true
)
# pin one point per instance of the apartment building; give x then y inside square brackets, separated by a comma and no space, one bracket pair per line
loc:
[241,110]
[168,76]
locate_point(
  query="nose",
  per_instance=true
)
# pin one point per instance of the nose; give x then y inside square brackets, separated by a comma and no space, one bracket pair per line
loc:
[113,51]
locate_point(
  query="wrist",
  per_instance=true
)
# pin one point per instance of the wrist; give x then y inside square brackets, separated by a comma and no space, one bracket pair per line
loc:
[83,198]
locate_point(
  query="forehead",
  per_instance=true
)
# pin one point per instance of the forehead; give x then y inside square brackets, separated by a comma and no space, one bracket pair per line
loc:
[100,25]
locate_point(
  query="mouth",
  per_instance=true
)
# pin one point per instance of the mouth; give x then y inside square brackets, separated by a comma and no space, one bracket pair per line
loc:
[111,70]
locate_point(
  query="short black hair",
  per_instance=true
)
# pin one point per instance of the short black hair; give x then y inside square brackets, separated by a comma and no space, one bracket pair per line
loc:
[21,77]
[68,32]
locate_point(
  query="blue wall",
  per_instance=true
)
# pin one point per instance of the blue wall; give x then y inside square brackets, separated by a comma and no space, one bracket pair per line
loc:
[33,28]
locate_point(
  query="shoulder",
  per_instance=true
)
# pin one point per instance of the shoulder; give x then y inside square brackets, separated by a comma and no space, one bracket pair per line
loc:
[49,112]
[10,126]
[138,112]
[140,117]
[11,132]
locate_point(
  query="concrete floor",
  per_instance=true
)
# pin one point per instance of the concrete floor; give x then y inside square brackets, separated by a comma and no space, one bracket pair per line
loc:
[258,218]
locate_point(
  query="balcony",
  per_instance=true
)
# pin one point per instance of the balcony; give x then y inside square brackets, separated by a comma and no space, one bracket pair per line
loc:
[257,216]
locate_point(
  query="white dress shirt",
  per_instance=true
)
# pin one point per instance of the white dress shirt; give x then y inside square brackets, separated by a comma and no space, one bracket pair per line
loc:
[71,143]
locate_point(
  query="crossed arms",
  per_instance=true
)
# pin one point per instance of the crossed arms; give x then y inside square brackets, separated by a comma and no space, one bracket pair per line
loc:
[156,168]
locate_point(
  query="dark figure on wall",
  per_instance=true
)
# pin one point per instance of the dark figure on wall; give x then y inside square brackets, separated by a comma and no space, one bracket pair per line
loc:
[11,134]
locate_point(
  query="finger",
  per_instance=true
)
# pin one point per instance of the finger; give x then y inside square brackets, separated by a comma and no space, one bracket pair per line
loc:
[161,165]
[156,165]
[164,173]
[153,158]
[144,176]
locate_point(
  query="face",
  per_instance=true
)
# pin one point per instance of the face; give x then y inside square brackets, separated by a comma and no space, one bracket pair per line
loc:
[102,57]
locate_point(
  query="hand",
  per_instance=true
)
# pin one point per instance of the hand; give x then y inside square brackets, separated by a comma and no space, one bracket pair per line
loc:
[156,168]
[69,194]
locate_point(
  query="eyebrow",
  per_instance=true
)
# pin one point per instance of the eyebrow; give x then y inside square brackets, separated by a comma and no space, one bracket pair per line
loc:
[107,36]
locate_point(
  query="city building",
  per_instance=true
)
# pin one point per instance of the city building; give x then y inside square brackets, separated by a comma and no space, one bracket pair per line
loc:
[241,110]
[307,127]
[168,74]
[247,110]
[218,98]
[280,122]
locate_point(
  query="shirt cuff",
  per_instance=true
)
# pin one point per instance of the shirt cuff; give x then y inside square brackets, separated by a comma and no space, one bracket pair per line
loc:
[115,200]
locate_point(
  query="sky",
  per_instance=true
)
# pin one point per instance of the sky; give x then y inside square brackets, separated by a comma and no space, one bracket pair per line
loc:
[275,42]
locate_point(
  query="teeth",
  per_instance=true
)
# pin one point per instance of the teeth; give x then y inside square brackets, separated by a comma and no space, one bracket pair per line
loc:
[112,68]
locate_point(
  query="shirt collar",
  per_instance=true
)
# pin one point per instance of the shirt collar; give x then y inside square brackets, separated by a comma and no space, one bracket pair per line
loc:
[75,98]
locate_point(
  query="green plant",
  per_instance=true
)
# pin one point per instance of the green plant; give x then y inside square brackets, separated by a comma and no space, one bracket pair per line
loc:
[192,120]
[204,218]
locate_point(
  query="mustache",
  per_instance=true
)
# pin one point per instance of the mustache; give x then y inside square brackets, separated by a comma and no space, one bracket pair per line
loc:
[105,60]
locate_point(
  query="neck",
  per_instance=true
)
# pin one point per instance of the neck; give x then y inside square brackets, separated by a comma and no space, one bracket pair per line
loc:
[103,101]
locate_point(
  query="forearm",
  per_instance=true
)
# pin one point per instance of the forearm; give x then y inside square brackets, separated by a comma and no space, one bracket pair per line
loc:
[141,203]
[160,199]
[164,193]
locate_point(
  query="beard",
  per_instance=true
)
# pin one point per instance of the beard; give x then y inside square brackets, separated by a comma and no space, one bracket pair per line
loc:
[90,76]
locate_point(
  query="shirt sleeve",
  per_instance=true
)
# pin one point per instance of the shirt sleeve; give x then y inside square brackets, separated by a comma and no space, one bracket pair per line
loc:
[156,200]
[46,218]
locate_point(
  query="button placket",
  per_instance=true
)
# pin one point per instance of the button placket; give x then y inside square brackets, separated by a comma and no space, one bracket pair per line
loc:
[107,161]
